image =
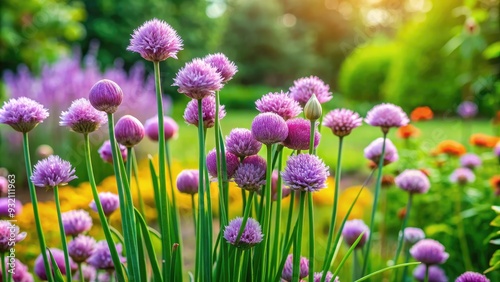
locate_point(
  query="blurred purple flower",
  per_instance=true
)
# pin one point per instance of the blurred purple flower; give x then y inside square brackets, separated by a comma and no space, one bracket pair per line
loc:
[342,121]
[22,114]
[467,109]
[223,65]
[304,88]
[387,115]
[208,111]
[80,248]
[279,103]
[352,230]
[269,128]
[82,117]
[9,233]
[170,126]
[110,202]
[462,175]
[328,278]
[413,181]
[58,256]
[4,185]
[496,150]
[436,274]
[429,252]
[232,163]
[106,153]
[288,268]
[305,172]
[129,131]
[6,204]
[251,236]
[20,272]
[187,181]
[470,276]
[89,274]
[52,171]
[156,41]
[470,160]
[299,134]
[76,222]
[374,151]
[101,257]
[198,80]
[413,235]
[241,143]
[274,188]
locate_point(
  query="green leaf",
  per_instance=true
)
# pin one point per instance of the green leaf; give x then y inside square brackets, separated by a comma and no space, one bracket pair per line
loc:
[58,275]
[149,246]
[495,242]
[438,228]
[496,221]
[385,269]
[493,267]
[117,234]
[491,52]
[351,249]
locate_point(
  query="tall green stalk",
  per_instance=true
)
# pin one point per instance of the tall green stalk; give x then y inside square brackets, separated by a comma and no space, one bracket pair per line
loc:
[277,230]
[34,201]
[374,208]
[298,239]
[4,270]
[461,230]
[266,214]
[403,227]
[310,205]
[62,233]
[135,169]
[426,273]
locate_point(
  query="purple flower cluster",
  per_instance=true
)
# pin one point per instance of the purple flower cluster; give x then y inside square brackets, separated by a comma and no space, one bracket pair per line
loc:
[101,256]
[429,252]
[169,125]
[386,116]
[269,128]
[58,256]
[107,155]
[232,163]
[288,268]
[342,121]
[8,232]
[305,172]
[208,111]
[82,117]
[198,80]
[467,109]
[304,88]
[22,114]
[223,65]
[413,181]
[20,272]
[251,236]
[76,222]
[436,274]
[299,134]
[328,278]
[6,207]
[470,160]
[353,229]
[52,172]
[110,202]
[470,276]
[279,103]
[241,143]
[251,174]
[462,176]
[373,151]
[187,181]
[80,248]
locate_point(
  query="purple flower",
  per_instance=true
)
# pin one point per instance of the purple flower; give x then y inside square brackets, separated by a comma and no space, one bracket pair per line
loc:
[20,272]
[106,96]
[81,117]
[496,150]
[58,256]
[222,64]
[6,204]
[110,202]
[304,88]
[470,276]
[470,161]
[428,251]
[467,109]
[269,128]
[436,274]
[251,174]
[328,278]
[374,151]
[101,257]
[413,235]
[187,181]
[288,268]
[241,143]
[52,172]
[279,103]
[89,274]
[8,232]
[462,176]
[386,116]
[22,114]
[129,131]
[413,181]
[4,185]
[107,155]
[251,236]
[305,173]
[342,121]
[76,222]
[232,163]
[198,80]
[80,248]
[352,230]
[155,41]
[299,134]
[208,111]
[170,127]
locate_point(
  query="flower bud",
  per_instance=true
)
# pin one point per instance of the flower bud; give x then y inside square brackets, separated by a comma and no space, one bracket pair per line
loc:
[106,96]
[129,131]
[312,109]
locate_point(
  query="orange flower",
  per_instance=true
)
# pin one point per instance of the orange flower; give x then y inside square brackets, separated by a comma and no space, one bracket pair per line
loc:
[496,118]
[483,140]
[495,184]
[425,171]
[408,131]
[451,147]
[421,113]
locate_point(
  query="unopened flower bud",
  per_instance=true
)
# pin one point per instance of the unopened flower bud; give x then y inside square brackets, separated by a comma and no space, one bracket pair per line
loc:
[312,109]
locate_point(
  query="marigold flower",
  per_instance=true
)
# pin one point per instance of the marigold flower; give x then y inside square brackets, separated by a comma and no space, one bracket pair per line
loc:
[407,131]
[450,147]
[483,140]
[421,113]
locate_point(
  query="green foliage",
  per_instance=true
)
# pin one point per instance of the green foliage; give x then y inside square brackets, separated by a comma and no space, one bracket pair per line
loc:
[365,70]
[34,31]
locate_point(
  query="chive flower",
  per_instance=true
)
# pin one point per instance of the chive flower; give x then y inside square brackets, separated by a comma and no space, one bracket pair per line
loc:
[269,128]
[304,88]
[386,115]
[110,203]
[436,273]
[208,112]
[470,276]
[232,163]
[76,222]
[81,117]
[287,273]
[413,181]
[328,278]
[251,236]
[241,143]
[470,161]
[187,181]
[342,121]
[58,256]
[9,233]
[51,172]
[129,131]
[467,109]
[80,248]
[279,103]
[305,172]
[352,230]
[6,207]
[101,256]
[413,234]
[462,176]
[198,80]
[299,134]
[22,114]
[170,127]
[223,65]
[251,173]
[106,96]
[107,154]
[374,150]
[18,270]
[429,252]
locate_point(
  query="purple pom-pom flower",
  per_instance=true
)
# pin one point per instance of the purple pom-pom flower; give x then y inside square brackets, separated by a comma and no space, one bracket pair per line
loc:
[155,41]
[198,80]
[107,155]
[470,161]
[436,274]
[76,222]
[288,268]
[101,256]
[305,172]
[18,270]
[467,109]
[269,128]
[52,171]
[222,64]
[462,176]
[129,131]
[89,274]
[232,163]
[299,134]
[58,256]
[342,121]
[81,117]
[304,88]
[279,103]
[106,96]
[373,151]
[386,116]
[251,174]
[429,251]
[470,276]
[9,233]
[251,236]
[169,125]
[352,230]
[187,181]
[6,207]
[208,111]
[413,235]
[22,114]
[328,277]
[110,202]
[241,143]
[413,181]
[80,248]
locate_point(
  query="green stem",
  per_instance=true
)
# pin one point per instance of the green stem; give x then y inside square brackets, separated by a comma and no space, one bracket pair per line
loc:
[100,211]
[374,207]
[335,201]
[426,279]
[4,270]
[407,259]
[403,227]
[298,239]
[62,233]
[135,168]
[267,213]
[461,231]
[34,201]
[201,229]
[245,216]
[290,215]
[80,273]
[193,208]
[129,163]
[162,166]
[311,234]
[277,230]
